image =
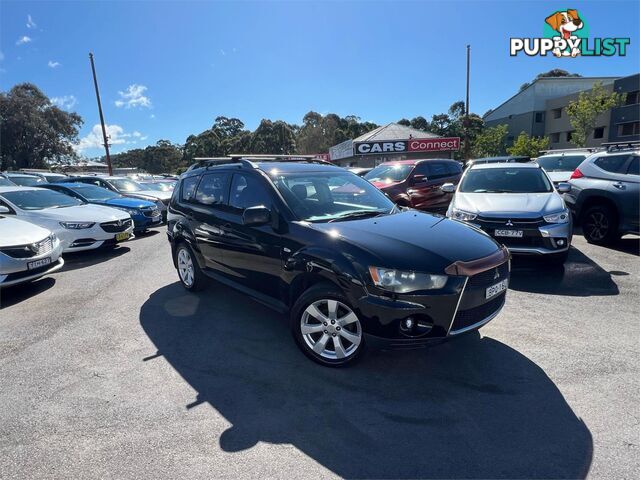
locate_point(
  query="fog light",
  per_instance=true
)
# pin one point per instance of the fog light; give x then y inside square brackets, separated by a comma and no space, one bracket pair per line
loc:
[408,323]
[560,243]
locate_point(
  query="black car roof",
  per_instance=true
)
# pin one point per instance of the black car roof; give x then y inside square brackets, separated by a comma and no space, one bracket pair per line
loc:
[269,167]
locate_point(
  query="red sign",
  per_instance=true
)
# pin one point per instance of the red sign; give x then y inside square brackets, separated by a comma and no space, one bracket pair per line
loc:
[323,156]
[434,144]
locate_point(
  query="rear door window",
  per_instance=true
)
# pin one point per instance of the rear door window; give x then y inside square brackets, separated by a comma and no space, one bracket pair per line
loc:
[634,166]
[612,163]
[189,188]
[213,189]
[248,191]
[438,170]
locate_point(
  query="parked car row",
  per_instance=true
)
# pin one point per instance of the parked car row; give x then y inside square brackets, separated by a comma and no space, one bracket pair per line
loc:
[39,223]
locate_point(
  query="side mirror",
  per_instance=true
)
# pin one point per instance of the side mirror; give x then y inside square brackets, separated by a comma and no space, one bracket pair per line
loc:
[563,187]
[256,216]
[448,188]
[4,209]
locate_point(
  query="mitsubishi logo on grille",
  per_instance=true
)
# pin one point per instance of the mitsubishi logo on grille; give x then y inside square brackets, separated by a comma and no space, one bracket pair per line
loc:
[509,223]
[496,275]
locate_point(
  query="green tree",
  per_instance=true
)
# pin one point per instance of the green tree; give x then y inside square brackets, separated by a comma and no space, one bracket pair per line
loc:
[490,142]
[273,137]
[404,122]
[555,72]
[420,123]
[33,130]
[584,111]
[528,146]
[163,157]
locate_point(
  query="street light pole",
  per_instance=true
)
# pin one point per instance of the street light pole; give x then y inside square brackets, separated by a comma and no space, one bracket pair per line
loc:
[466,109]
[104,130]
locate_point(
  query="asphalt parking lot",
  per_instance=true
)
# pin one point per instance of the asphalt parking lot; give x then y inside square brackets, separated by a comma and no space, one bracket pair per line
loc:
[110,369]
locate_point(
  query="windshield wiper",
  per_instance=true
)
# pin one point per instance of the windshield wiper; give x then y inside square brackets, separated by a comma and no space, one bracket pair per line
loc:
[364,213]
[492,191]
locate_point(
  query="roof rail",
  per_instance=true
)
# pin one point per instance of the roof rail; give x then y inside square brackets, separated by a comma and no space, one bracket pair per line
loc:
[280,158]
[562,150]
[628,145]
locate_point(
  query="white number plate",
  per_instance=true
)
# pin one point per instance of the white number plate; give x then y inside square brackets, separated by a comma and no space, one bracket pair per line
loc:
[509,233]
[155,218]
[494,290]
[39,263]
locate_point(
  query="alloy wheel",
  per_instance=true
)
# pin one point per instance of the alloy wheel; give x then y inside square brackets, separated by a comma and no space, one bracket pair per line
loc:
[597,226]
[331,329]
[185,267]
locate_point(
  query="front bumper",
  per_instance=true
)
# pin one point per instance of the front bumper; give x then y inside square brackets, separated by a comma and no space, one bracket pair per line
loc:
[459,307]
[538,237]
[10,279]
[142,222]
[90,238]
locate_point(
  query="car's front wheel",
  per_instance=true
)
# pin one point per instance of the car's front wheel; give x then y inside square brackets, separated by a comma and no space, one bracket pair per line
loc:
[326,328]
[189,272]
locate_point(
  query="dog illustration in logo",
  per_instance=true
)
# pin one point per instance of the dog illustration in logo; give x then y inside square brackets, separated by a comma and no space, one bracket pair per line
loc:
[565,23]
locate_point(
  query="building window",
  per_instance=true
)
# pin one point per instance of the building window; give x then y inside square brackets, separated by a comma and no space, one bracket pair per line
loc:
[632,98]
[628,129]
[569,135]
[598,132]
[556,112]
[539,117]
[555,137]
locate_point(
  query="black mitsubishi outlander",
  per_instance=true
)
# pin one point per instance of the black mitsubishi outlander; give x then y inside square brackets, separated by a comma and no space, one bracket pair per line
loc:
[321,243]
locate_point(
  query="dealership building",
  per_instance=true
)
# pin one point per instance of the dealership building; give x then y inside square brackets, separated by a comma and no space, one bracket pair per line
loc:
[392,142]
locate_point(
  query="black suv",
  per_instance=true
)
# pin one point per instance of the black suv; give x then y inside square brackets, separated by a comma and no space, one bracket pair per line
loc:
[350,268]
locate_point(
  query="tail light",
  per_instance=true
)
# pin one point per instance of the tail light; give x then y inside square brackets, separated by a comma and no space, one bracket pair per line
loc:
[576,174]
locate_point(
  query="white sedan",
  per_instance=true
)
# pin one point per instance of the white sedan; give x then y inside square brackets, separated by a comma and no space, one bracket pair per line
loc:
[78,225]
[27,251]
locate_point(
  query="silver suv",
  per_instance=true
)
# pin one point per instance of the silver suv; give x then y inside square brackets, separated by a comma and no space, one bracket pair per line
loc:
[516,204]
[605,193]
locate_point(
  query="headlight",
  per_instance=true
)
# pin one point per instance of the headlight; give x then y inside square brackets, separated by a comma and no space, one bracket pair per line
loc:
[560,217]
[77,225]
[462,215]
[399,281]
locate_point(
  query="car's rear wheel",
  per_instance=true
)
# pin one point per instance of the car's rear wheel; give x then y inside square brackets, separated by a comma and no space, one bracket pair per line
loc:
[600,225]
[189,272]
[326,328]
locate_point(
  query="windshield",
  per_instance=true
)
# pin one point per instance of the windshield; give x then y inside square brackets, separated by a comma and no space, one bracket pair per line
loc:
[126,185]
[40,198]
[27,181]
[158,187]
[94,193]
[325,196]
[389,173]
[561,163]
[4,182]
[505,180]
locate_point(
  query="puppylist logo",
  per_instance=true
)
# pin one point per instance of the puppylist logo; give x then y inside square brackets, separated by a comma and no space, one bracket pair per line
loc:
[566,34]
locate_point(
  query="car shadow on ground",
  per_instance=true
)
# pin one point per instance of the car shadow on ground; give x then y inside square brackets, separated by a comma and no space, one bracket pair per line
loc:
[579,276]
[472,408]
[13,295]
[88,258]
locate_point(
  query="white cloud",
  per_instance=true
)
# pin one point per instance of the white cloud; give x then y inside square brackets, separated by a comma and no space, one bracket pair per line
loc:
[222,52]
[133,97]
[152,116]
[67,102]
[22,40]
[53,64]
[116,134]
[30,22]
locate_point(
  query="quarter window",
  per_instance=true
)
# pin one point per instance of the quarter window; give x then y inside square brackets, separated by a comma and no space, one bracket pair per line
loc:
[212,189]
[248,191]
[612,163]
[634,166]
[189,188]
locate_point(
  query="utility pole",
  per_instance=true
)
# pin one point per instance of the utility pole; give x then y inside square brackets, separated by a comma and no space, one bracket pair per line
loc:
[104,130]
[466,109]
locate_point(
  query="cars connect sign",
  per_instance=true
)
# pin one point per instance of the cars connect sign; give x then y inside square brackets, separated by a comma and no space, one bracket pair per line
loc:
[437,144]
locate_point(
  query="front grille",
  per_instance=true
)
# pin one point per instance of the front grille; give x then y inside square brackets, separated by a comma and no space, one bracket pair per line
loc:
[501,222]
[488,277]
[151,212]
[27,251]
[116,226]
[466,318]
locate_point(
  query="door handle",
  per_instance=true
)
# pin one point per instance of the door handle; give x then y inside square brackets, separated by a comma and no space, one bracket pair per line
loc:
[620,185]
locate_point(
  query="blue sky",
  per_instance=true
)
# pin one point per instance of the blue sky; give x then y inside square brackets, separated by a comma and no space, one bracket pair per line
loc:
[167,69]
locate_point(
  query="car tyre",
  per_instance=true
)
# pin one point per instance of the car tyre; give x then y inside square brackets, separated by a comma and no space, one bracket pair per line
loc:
[600,225]
[326,327]
[189,273]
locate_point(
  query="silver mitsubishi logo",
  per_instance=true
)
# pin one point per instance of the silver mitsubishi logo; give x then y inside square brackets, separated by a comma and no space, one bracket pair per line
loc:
[509,223]
[497,274]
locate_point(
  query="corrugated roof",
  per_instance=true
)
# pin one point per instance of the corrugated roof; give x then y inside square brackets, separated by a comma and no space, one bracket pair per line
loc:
[393,131]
